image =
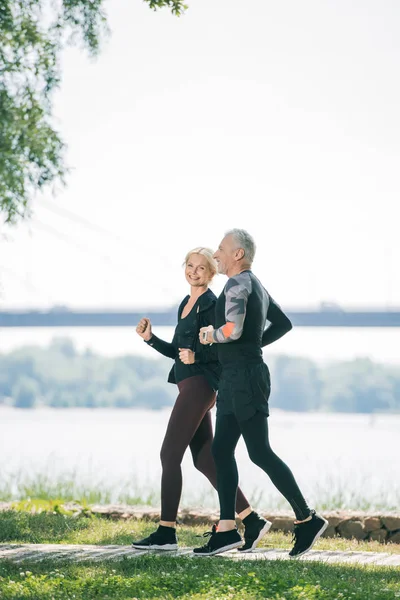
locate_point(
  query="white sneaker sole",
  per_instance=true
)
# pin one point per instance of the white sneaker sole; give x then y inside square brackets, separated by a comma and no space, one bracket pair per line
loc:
[320,532]
[263,531]
[156,547]
[220,550]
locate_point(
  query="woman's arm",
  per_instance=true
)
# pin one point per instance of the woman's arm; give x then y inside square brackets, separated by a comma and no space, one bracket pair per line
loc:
[144,329]
[163,347]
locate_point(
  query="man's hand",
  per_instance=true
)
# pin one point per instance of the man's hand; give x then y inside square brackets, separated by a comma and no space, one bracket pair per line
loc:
[144,329]
[209,337]
[186,355]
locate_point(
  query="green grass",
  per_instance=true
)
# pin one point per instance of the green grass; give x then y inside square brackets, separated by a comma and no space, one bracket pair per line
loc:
[20,485]
[166,577]
[58,527]
[333,494]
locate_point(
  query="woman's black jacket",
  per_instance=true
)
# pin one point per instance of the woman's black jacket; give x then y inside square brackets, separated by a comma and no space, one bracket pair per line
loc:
[206,356]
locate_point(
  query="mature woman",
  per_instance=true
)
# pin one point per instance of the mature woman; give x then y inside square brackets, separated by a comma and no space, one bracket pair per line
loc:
[196,372]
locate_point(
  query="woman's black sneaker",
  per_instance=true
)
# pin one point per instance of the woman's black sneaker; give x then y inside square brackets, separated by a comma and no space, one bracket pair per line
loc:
[306,534]
[219,542]
[162,539]
[255,527]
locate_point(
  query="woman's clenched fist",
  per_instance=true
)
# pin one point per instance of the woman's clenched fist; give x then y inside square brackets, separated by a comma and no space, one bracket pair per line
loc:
[144,329]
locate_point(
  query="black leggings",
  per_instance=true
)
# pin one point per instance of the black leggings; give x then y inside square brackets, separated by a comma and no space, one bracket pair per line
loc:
[189,425]
[255,434]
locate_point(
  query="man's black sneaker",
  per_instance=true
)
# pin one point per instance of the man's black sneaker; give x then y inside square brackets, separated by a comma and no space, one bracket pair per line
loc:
[219,542]
[255,527]
[306,534]
[162,539]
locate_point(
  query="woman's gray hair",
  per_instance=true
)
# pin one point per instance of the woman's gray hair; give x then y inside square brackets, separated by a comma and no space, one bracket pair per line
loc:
[244,240]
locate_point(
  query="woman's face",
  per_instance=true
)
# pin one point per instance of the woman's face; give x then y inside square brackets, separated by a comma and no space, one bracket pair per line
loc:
[197,271]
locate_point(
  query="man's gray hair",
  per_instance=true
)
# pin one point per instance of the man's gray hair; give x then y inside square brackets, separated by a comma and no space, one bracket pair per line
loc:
[244,240]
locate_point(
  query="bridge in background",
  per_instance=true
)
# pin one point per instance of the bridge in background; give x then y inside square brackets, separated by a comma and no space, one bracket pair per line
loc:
[63,317]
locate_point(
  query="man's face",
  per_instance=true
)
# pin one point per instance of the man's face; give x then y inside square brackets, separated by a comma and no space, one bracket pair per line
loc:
[225,255]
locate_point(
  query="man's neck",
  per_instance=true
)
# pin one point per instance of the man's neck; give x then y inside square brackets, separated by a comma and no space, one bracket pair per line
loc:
[236,270]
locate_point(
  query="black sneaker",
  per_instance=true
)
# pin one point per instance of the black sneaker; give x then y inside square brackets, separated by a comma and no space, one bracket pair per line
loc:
[255,527]
[219,542]
[306,534]
[162,539]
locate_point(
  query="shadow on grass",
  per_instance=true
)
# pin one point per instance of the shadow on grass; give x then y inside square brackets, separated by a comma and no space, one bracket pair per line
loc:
[39,528]
[52,528]
[136,530]
[20,526]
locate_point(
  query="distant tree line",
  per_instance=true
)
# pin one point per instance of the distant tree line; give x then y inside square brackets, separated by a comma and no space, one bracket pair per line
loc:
[59,376]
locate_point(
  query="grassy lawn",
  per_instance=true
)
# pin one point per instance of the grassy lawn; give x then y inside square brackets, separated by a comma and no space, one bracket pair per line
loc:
[217,578]
[159,576]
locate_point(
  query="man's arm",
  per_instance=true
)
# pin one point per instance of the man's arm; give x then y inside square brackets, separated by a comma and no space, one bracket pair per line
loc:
[279,324]
[237,292]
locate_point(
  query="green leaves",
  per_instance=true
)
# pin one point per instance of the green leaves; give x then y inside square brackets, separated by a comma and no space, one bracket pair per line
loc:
[33,34]
[31,152]
[177,6]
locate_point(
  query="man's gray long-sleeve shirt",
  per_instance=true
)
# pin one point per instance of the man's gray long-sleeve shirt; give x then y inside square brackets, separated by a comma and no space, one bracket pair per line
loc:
[242,311]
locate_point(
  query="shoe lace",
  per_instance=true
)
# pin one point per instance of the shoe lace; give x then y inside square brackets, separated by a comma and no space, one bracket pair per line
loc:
[296,536]
[208,534]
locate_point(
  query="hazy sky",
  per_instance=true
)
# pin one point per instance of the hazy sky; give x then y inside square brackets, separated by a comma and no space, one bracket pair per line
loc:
[279,117]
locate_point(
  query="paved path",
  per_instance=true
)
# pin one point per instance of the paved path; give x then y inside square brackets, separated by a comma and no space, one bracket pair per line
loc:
[19,553]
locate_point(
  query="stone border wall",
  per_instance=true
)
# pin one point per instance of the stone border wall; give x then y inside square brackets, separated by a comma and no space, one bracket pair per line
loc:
[346,524]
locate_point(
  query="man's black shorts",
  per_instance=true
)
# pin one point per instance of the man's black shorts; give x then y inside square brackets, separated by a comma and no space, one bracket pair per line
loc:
[243,390]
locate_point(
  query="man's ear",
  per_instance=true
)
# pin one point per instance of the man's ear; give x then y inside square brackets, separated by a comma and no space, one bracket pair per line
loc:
[239,254]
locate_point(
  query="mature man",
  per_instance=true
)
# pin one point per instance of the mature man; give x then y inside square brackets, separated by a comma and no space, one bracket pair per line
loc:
[242,311]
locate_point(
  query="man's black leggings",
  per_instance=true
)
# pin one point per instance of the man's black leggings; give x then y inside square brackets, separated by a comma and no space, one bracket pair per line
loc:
[189,425]
[255,434]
